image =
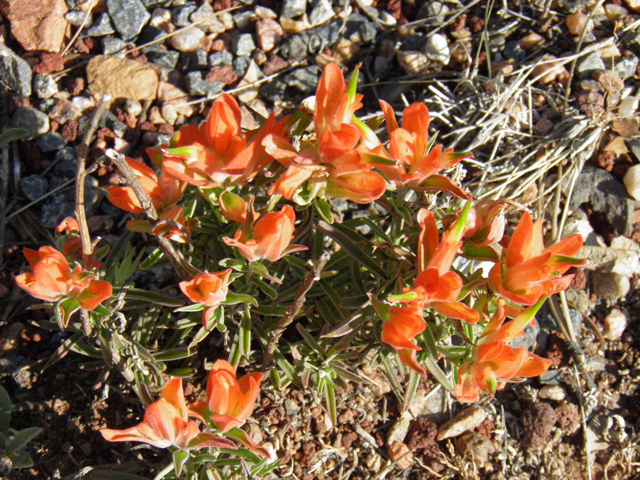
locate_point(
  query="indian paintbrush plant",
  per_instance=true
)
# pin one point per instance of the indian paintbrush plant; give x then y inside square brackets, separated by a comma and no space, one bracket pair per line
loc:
[255,225]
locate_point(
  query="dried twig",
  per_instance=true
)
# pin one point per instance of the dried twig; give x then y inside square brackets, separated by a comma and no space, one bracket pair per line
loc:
[81,174]
[183,268]
[298,302]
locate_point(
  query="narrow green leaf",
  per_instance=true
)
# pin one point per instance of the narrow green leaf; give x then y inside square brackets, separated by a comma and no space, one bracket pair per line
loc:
[324,209]
[173,354]
[152,259]
[196,307]
[5,411]
[23,437]
[12,135]
[266,289]
[180,457]
[234,298]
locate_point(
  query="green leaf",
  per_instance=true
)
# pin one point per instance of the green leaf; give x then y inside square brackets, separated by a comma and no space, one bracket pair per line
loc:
[196,307]
[21,460]
[152,259]
[266,289]
[237,265]
[357,252]
[12,135]
[23,437]
[173,354]
[382,309]
[5,411]
[330,397]
[233,298]
[324,209]
[180,457]
[63,349]
[152,298]
[353,86]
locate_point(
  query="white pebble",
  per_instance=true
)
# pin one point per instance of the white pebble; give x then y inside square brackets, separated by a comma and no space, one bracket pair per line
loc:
[437,48]
[614,325]
[552,392]
[187,40]
[632,181]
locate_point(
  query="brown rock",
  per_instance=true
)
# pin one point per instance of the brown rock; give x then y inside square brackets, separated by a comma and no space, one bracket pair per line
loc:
[538,422]
[422,434]
[121,78]
[70,131]
[466,420]
[475,447]
[76,86]
[169,94]
[274,64]
[49,63]
[224,73]
[37,24]
[64,111]
[269,33]
[400,453]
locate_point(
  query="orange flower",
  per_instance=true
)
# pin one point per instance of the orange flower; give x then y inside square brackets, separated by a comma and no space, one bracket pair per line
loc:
[404,324]
[53,280]
[335,162]
[209,289]
[69,224]
[494,361]
[418,161]
[229,401]
[436,285]
[218,151]
[166,423]
[527,270]
[164,192]
[268,237]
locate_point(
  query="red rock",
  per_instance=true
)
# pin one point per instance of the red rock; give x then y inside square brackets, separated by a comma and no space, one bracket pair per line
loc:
[37,24]
[64,111]
[82,46]
[222,5]
[165,129]
[224,73]
[48,63]
[76,86]
[70,131]
[269,33]
[274,64]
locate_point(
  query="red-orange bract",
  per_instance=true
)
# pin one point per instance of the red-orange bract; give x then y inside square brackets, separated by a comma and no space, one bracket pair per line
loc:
[418,164]
[166,423]
[52,280]
[528,271]
[404,325]
[268,237]
[494,361]
[229,401]
[210,289]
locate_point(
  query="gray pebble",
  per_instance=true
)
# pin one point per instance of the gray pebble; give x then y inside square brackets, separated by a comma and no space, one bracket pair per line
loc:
[293,8]
[218,59]
[76,18]
[204,15]
[240,65]
[197,86]
[128,16]
[65,162]
[626,67]
[14,71]
[34,187]
[51,141]
[113,46]
[164,58]
[44,85]
[151,34]
[100,27]
[243,20]
[434,11]
[31,119]
[181,15]
[199,60]
[587,65]
[243,45]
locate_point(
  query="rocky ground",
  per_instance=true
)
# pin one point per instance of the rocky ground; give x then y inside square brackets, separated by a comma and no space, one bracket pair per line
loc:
[543,93]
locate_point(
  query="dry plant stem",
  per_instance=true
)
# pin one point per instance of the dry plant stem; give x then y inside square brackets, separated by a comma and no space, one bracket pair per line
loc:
[81,174]
[274,336]
[184,270]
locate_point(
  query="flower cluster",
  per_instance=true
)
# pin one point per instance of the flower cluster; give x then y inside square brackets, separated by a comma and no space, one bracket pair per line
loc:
[166,422]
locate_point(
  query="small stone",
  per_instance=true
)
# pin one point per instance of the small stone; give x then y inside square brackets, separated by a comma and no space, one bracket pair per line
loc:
[614,325]
[551,377]
[133,107]
[547,70]
[322,12]
[207,20]
[293,8]
[128,16]
[252,75]
[242,20]
[62,205]
[65,162]
[632,181]
[164,58]
[76,18]
[101,27]
[294,48]
[199,60]
[476,447]
[552,392]
[220,58]
[14,71]
[269,33]
[587,65]
[274,64]
[243,45]
[121,78]
[51,141]
[34,187]
[31,119]
[160,18]
[64,111]
[199,87]
[44,85]
[398,431]
[466,420]
[537,422]
[182,13]
[435,11]
[113,46]
[578,23]
[264,12]
[387,19]
[529,41]
[610,285]
[170,94]
[241,64]
[400,453]
[413,63]
[153,36]
[626,67]
[37,24]
[225,74]
[187,40]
